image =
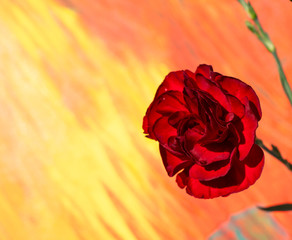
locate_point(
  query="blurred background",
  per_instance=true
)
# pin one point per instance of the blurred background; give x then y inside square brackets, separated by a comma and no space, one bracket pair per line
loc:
[76,78]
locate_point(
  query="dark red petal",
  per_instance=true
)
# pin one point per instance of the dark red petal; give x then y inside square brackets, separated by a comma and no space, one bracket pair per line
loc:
[174,81]
[149,119]
[241,175]
[182,179]
[234,135]
[241,90]
[166,103]
[163,131]
[213,152]
[174,119]
[235,106]
[192,136]
[170,102]
[229,117]
[247,131]
[165,134]
[203,69]
[230,103]
[219,135]
[145,125]
[191,103]
[175,145]
[220,168]
[172,163]
[212,171]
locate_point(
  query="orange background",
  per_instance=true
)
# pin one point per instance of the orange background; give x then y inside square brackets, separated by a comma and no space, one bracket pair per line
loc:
[76,78]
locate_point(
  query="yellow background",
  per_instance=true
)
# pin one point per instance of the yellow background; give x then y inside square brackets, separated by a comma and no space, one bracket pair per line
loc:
[76,78]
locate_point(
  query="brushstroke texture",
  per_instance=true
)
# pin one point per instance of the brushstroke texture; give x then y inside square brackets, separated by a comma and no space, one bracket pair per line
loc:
[76,78]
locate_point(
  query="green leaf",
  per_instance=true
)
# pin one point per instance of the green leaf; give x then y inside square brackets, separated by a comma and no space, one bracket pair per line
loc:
[251,27]
[251,12]
[281,207]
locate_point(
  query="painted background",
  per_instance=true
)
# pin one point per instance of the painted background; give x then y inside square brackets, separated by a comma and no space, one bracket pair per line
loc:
[76,78]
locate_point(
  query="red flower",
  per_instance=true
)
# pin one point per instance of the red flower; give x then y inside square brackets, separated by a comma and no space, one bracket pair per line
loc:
[205,124]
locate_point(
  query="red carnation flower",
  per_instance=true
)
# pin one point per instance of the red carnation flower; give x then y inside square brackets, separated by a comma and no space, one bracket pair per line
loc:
[205,124]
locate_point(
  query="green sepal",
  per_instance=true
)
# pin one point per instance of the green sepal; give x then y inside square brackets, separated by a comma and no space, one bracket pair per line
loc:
[280,207]
[251,27]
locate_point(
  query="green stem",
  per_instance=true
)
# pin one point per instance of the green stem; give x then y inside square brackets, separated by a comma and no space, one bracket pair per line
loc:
[258,30]
[275,153]
[283,78]
[257,23]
